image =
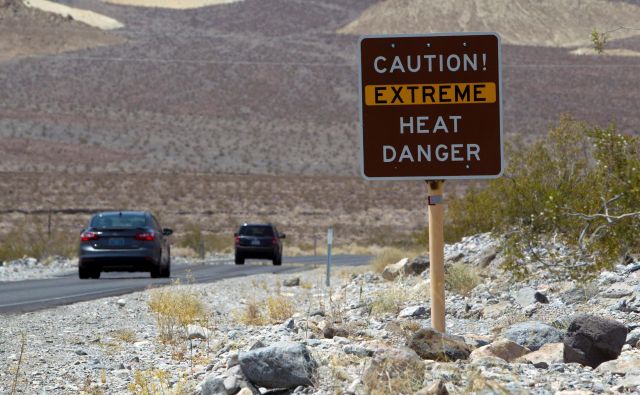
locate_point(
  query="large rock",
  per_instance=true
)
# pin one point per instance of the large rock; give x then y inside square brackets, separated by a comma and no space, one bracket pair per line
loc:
[431,344]
[592,340]
[394,369]
[533,334]
[548,354]
[406,267]
[633,337]
[281,365]
[502,348]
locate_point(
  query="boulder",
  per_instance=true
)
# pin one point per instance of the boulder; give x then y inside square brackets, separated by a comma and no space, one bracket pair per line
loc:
[502,348]
[548,354]
[431,344]
[592,340]
[617,291]
[280,365]
[406,267]
[487,256]
[391,368]
[533,334]
[525,296]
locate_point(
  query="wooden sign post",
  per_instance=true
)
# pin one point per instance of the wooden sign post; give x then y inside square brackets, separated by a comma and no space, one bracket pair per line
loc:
[431,109]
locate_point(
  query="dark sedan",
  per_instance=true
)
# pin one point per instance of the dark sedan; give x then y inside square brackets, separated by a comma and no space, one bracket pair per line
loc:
[130,241]
[261,241]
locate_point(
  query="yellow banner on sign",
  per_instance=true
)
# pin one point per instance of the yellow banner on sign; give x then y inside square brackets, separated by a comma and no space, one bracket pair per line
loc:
[420,94]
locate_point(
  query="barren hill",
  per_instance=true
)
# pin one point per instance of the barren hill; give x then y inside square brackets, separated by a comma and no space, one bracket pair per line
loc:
[26,32]
[563,23]
[246,87]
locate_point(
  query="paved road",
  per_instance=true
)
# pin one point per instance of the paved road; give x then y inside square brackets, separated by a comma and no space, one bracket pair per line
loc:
[31,295]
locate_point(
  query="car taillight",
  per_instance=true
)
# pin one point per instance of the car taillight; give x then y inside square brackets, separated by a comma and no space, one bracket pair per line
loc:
[145,236]
[237,240]
[88,236]
[274,241]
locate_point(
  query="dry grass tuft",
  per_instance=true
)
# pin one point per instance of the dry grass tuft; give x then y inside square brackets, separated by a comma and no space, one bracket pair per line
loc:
[175,310]
[279,308]
[124,335]
[155,381]
[461,278]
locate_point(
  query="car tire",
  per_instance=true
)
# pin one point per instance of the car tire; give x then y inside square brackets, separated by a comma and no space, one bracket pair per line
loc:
[239,260]
[96,274]
[156,271]
[165,271]
[277,261]
[84,273]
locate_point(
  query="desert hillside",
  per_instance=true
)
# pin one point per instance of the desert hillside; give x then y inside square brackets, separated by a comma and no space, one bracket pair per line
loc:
[564,23]
[27,31]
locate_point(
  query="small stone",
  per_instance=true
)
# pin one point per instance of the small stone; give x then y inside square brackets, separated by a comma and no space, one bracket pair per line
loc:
[245,391]
[617,291]
[331,331]
[533,334]
[633,337]
[431,344]
[540,297]
[281,365]
[502,348]
[357,350]
[291,282]
[547,355]
[197,332]
[525,296]
[80,352]
[413,311]
[121,302]
[232,360]
[436,388]
[289,324]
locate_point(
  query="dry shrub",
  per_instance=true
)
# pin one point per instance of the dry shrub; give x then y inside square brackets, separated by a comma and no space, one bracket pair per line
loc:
[389,301]
[155,381]
[252,314]
[395,372]
[175,310]
[279,308]
[461,278]
[125,335]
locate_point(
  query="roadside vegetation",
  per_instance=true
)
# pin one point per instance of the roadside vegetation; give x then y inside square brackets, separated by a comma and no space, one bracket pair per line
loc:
[579,186]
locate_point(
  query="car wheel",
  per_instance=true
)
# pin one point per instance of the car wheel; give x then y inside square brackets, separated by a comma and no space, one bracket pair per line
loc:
[277,261]
[156,271]
[83,272]
[95,275]
[239,260]
[165,272]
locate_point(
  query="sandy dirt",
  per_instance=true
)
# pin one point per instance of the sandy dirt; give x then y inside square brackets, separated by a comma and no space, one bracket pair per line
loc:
[89,17]
[173,4]
[554,23]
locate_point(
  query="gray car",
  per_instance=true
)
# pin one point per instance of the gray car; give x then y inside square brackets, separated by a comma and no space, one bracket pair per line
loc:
[130,241]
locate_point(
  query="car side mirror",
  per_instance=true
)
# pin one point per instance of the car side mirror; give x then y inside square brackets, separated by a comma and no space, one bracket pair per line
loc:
[167,232]
[283,236]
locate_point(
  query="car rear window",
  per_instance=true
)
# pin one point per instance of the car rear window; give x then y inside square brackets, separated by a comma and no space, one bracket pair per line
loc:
[119,221]
[253,230]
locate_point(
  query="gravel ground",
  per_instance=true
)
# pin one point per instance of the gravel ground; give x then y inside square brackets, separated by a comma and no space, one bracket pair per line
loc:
[109,345]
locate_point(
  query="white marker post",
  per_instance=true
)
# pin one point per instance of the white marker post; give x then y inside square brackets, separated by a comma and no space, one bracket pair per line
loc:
[329,245]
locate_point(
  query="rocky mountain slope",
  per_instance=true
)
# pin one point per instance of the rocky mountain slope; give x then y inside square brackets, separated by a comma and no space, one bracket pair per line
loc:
[567,23]
[369,333]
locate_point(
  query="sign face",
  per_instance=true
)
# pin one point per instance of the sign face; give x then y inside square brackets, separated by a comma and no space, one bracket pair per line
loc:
[431,106]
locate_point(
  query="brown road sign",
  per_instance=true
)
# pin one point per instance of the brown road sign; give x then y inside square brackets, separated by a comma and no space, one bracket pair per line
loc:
[431,106]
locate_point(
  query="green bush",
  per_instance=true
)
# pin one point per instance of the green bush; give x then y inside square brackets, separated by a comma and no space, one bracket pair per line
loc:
[580,185]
